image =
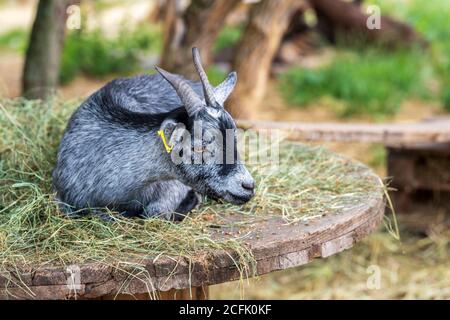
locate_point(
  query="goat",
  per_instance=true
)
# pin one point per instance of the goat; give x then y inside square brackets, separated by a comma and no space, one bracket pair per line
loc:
[114,154]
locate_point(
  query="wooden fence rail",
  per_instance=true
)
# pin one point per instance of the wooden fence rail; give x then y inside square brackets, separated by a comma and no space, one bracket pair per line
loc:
[434,130]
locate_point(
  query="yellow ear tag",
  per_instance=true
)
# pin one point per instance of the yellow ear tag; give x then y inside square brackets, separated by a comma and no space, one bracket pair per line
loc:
[163,138]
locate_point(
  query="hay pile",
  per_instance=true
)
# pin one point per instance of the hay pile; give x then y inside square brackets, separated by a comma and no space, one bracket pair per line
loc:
[308,182]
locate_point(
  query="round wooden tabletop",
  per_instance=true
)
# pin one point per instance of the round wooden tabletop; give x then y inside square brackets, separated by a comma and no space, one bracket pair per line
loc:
[273,243]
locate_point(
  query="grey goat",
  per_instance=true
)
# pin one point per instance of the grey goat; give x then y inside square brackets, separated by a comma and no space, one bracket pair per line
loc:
[113,153]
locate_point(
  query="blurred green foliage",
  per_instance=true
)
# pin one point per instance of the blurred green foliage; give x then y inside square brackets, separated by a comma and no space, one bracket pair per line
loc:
[369,82]
[15,39]
[94,54]
[446,99]
[431,19]
[376,81]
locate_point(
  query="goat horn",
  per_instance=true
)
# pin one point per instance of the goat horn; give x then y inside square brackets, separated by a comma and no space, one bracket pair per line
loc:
[208,90]
[187,95]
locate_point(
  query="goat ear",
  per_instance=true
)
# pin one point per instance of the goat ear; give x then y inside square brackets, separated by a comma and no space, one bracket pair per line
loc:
[173,130]
[223,90]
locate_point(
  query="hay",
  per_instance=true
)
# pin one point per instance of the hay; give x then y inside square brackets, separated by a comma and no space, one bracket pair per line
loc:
[309,182]
[417,267]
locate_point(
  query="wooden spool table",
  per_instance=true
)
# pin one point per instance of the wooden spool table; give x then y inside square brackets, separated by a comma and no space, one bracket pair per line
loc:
[274,244]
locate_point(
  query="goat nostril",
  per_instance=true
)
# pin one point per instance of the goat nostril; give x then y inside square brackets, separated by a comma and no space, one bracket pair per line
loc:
[248,185]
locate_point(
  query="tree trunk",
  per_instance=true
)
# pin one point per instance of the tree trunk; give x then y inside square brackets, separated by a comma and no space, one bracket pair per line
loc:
[41,71]
[198,26]
[256,50]
[159,11]
[340,20]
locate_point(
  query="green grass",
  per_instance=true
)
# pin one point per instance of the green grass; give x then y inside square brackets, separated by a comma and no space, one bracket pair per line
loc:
[227,37]
[446,98]
[94,54]
[15,40]
[370,82]
[308,183]
[418,267]
[430,18]
[33,232]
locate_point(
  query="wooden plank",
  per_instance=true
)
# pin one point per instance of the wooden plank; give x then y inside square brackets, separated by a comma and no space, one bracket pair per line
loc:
[426,131]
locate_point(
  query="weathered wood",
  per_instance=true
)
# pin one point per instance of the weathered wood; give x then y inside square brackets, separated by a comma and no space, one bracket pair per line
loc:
[425,166]
[344,20]
[254,54]
[42,60]
[427,131]
[198,26]
[274,244]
